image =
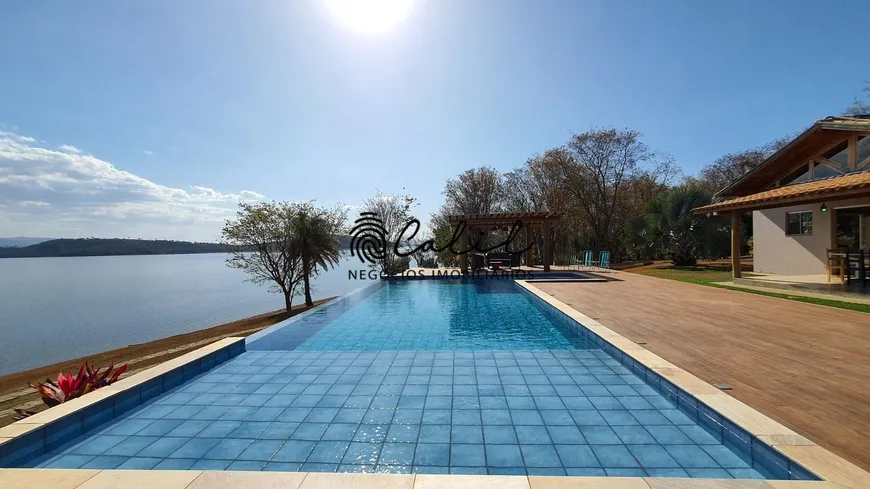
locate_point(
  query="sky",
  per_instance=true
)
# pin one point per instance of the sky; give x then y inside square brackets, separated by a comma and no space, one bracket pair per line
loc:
[155,118]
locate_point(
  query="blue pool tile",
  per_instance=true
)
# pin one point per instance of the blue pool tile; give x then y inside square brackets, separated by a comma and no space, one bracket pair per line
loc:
[371,433]
[140,463]
[652,456]
[249,429]
[506,470]
[467,455]
[206,464]
[537,435]
[499,435]
[328,452]
[403,433]
[614,456]
[362,453]
[218,429]
[621,472]
[340,431]
[669,435]
[503,456]
[432,454]
[540,456]
[397,454]
[175,464]
[708,473]
[293,451]
[195,448]
[689,456]
[349,415]
[162,447]
[104,462]
[228,449]
[243,465]
[438,434]
[309,431]
[577,456]
[465,434]
[189,427]
[97,445]
[634,435]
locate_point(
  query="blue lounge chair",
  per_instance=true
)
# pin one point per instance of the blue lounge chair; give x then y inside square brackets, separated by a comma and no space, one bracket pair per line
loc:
[587,259]
[603,260]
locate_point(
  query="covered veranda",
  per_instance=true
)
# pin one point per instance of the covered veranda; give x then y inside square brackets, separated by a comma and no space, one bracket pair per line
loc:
[842,206]
[528,222]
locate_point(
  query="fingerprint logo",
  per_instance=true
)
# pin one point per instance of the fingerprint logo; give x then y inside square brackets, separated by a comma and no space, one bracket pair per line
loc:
[368,238]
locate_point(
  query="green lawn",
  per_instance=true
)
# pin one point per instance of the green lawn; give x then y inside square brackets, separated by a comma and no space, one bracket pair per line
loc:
[707,276]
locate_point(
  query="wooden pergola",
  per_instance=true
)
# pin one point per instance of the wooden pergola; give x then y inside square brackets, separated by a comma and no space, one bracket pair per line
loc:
[507,219]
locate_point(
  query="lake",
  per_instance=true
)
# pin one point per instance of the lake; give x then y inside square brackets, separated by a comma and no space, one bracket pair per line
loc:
[55,309]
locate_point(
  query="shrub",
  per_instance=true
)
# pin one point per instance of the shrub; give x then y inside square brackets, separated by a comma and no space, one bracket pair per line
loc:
[70,386]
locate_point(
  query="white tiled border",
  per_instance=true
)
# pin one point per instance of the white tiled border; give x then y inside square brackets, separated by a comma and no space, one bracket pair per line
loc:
[794,446]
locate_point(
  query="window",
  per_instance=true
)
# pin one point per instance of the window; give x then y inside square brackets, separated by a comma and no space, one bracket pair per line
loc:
[821,170]
[799,223]
[800,175]
[864,152]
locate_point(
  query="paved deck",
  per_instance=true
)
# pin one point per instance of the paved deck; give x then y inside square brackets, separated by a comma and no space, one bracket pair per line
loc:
[804,365]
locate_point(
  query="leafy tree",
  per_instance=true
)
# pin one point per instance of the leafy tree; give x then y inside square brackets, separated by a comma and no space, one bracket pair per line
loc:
[314,240]
[261,240]
[669,229]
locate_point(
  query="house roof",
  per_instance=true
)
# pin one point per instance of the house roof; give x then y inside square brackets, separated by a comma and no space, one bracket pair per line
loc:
[855,184]
[822,133]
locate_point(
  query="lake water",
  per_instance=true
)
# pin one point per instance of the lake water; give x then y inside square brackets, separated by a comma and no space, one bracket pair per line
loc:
[55,309]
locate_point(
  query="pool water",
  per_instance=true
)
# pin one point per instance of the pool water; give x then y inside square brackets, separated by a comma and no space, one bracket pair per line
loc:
[424,376]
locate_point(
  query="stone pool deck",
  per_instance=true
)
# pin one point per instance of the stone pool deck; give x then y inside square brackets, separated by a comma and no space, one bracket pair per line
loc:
[803,365]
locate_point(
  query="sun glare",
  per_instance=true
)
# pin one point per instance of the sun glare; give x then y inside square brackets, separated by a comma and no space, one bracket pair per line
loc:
[370,16]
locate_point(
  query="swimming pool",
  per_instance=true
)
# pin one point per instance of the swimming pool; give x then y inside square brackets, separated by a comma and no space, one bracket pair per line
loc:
[425,376]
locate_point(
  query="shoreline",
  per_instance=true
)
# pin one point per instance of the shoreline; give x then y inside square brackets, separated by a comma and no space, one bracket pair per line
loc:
[15,393]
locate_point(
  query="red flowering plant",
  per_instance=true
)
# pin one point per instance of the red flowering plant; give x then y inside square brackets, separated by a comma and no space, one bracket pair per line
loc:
[70,386]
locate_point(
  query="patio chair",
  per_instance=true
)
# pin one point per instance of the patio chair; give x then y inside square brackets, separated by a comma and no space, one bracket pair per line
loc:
[837,263]
[603,260]
[587,259]
[574,261]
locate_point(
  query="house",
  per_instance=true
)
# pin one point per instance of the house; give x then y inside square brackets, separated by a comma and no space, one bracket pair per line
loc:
[810,196]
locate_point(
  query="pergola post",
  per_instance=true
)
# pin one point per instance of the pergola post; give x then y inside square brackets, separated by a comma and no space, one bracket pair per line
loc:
[735,244]
[463,245]
[528,243]
[547,250]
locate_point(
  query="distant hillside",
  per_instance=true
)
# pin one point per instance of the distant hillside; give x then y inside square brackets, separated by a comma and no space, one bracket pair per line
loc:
[21,241]
[104,247]
[109,247]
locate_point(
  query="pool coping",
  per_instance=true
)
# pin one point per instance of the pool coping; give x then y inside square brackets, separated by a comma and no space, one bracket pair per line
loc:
[109,401]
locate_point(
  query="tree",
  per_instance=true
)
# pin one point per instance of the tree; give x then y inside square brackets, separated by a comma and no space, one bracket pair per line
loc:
[668,228]
[394,212]
[860,107]
[731,166]
[314,240]
[475,191]
[597,168]
[261,240]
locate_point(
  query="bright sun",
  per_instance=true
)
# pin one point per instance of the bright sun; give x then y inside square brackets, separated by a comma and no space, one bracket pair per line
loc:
[370,16]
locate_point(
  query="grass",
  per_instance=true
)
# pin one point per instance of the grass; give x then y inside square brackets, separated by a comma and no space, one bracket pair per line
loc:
[702,275]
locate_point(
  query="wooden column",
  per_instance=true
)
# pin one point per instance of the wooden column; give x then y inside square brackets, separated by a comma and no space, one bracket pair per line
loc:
[463,245]
[853,153]
[735,244]
[528,227]
[548,252]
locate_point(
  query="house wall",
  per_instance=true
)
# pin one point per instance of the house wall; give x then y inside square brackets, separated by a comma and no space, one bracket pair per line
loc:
[774,252]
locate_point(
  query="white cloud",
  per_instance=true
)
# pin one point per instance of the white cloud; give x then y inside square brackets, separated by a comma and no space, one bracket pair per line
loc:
[68,193]
[148,153]
[68,148]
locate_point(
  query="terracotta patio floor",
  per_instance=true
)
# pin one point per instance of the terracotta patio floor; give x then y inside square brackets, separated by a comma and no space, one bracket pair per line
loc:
[804,365]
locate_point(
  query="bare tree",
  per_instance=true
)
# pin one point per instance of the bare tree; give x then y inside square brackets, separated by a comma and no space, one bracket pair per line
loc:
[731,166]
[261,238]
[394,212]
[475,191]
[598,168]
[860,107]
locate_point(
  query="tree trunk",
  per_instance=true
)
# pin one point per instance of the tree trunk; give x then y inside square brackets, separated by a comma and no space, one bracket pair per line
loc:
[306,270]
[288,300]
